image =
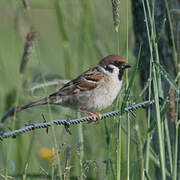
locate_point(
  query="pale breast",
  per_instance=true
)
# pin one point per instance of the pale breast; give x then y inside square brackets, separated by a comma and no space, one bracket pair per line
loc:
[95,99]
[105,96]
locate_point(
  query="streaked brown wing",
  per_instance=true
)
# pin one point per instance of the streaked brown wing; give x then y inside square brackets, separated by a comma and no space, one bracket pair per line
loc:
[86,81]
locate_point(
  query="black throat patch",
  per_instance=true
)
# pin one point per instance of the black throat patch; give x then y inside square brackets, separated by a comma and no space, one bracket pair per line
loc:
[121,72]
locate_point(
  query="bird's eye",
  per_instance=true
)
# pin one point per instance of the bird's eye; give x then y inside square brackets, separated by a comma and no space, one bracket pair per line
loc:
[110,69]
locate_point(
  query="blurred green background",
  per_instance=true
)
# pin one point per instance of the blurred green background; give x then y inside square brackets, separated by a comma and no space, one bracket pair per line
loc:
[71,36]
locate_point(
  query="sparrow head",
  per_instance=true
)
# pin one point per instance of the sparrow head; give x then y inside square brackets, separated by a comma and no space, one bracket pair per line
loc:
[114,64]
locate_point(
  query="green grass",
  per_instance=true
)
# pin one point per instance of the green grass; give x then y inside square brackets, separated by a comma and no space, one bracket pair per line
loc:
[71,37]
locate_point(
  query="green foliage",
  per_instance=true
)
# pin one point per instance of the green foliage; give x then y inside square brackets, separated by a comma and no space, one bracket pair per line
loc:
[71,37]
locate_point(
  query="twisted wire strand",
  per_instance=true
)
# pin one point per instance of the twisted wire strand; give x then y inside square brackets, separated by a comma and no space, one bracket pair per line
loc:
[67,123]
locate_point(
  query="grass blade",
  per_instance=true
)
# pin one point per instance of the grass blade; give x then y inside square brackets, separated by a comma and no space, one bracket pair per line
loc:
[167,76]
[131,82]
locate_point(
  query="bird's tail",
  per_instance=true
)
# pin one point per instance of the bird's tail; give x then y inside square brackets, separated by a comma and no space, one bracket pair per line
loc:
[15,110]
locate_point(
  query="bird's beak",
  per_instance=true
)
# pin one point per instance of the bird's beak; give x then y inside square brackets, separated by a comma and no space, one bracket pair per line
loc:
[125,65]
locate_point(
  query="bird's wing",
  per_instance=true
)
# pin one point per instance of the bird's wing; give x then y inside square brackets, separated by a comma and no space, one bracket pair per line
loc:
[86,81]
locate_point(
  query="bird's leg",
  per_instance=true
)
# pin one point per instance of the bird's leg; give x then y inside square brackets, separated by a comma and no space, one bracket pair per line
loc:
[93,115]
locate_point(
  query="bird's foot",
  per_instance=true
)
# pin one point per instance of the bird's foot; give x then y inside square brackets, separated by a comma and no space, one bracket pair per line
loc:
[96,117]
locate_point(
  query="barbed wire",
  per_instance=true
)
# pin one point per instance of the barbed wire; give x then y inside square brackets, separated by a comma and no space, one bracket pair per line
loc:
[68,123]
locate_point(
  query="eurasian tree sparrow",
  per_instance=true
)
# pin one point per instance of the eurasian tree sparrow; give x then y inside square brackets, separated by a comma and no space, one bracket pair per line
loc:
[92,91]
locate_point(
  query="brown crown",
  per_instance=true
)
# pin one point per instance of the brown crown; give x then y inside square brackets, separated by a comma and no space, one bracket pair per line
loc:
[110,59]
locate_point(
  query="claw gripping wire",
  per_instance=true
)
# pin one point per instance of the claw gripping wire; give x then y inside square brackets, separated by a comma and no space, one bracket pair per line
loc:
[67,123]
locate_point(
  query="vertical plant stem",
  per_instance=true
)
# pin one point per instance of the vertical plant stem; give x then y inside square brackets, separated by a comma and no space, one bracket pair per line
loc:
[108,137]
[161,94]
[81,147]
[139,152]
[56,150]
[128,146]
[128,120]
[11,142]
[159,85]
[172,34]
[118,160]
[168,141]
[10,146]
[174,176]
[119,150]
[53,129]
[159,127]
[52,172]
[149,92]
[55,144]
[175,171]
[68,164]
[166,124]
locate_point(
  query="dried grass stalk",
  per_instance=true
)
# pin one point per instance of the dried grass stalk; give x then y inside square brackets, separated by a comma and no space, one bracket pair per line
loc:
[115,12]
[25,3]
[68,164]
[28,48]
[56,82]
[172,113]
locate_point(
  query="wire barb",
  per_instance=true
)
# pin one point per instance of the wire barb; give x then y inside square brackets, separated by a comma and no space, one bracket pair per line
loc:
[47,129]
[67,126]
[68,123]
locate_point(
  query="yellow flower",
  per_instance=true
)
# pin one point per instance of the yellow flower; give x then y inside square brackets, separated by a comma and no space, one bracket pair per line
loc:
[46,154]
